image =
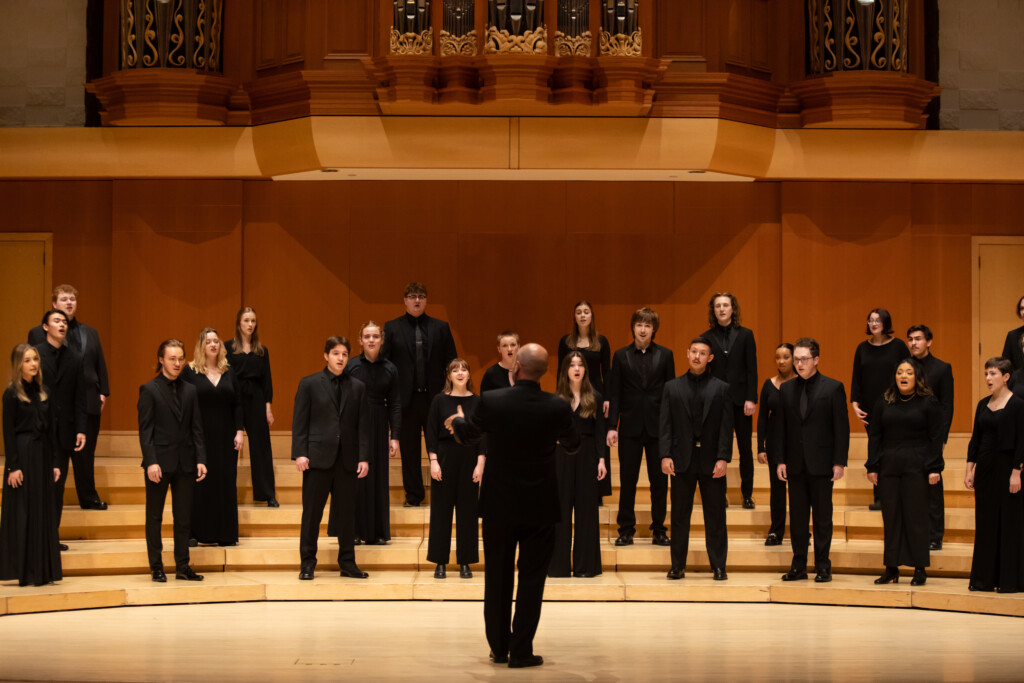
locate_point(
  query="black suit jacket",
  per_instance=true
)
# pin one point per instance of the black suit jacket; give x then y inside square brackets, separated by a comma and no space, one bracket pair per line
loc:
[676,434]
[66,383]
[170,436]
[940,378]
[94,365]
[815,443]
[400,348]
[739,368]
[523,425]
[635,407]
[1011,348]
[322,429]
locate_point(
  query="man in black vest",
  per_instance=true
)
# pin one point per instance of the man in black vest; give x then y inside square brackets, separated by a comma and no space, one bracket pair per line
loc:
[519,502]
[939,375]
[814,433]
[421,348]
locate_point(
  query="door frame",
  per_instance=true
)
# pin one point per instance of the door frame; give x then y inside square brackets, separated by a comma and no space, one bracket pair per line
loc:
[976,243]
[47,239]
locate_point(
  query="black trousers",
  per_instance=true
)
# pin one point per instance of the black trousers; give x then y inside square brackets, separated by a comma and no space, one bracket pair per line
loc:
[261,457]
[64,459]
[903,491]
[631,452]
[578,494]
[414,417]
[998,559]
[84,463]
[778,500]
[936,511]
[340,486]
[712,496]
[181,485]
[458,493]
[744,429]
[535,546]
[810,494]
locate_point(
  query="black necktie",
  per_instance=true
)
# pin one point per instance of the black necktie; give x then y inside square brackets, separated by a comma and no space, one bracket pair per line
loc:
[174,394]
[421,361]
[803,400]
[75,337]
[337,390]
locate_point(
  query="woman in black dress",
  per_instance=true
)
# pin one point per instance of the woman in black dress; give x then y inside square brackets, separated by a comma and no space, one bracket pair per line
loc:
[995,457]
[499,375]
[215,499]
[578,476]
[29,549]
[904,458]
[874,362]
[373,497]
[251,362]
[455,472]
[767,448]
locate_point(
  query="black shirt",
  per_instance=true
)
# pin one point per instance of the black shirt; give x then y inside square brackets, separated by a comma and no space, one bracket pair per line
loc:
[642,362]
[698,387]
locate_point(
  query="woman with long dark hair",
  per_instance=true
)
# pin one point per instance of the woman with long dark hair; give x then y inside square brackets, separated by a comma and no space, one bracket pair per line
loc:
[767,449]
[455,473]
[579,475]
[905,457]
[251,361]
[29,550]
[215,499]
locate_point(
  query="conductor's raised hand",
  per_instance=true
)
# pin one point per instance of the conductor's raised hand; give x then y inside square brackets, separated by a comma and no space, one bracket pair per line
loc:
[451,418]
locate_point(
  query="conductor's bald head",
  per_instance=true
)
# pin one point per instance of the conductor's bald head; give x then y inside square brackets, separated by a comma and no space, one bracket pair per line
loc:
[532,361]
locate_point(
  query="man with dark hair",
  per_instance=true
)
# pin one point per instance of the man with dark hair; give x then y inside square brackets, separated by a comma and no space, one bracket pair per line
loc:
[421,348]
[635,385]
[331,447]
[696,447]
[63,376]
[814,433]
[939,376]
[85,341]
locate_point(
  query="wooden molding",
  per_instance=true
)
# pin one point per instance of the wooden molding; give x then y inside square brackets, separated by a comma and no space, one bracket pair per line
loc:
[717,95]
[344,90]
[159,97]
[864,99]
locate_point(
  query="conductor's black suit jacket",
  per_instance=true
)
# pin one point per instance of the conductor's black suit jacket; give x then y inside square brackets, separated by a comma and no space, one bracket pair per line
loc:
[320,424]
[676,434]
[523,424]
[94,365]
[170,435]
[635,404]
[813,444]
[400,348]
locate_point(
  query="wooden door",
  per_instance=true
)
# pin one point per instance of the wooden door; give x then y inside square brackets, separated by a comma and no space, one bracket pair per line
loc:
[999,284]
[24,290]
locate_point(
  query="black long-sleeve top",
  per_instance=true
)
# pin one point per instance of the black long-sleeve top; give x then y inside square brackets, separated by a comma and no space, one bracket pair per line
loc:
[915,423]
[940,378]
[599,363]
[766,416]
[251,371]
[495,377]
[436,436]
[382,387]
[873,370]
[1010,433]
[31,418]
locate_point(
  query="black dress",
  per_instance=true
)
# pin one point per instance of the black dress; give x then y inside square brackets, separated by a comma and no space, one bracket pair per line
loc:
[373,496]
[599,366]
[766,415]
[215,498]
[256,390]
[997,447]
[28,524]
[578,494]
[456,490]
[873,370]
[495,377]
[904,447]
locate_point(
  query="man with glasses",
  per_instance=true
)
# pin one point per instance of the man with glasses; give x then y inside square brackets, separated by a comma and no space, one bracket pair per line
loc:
[814,433]
[421,348]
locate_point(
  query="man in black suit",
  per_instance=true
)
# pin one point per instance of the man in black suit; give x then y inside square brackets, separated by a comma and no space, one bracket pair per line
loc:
[519,502]
[638,376]
[63,376]
[85,341]
[331,447]
[735,363]
[696,447]
[1011,347]
[939,376]
[814,433]
[173,455]
[421,348]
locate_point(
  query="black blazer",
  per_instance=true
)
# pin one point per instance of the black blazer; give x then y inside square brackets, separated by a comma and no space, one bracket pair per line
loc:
[320,425]
[523,425]
[676,434]
[1010,437]
[170,437]
[940,378]
[66,384]
[816,443]
[94,365]
[636,408]
[400,348]
[739,368]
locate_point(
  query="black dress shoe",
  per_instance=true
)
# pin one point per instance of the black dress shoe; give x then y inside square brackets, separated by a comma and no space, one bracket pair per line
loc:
[159,576]
[795,575]
[773,539]
[353,572]
[94,505]
[465,572]
[891,575]
[306,574]
[935,545]
[920,577]
[523,662]
[823,576]
[875,506]
[272,503]
[660,538]
[675,573]
[624,539]
[409,504]
[498,659]
[720,575]
[381,541]
[193,542]
[440,572]
[63,546]
[748,503]
[584,575]
[357,541]
[186,574]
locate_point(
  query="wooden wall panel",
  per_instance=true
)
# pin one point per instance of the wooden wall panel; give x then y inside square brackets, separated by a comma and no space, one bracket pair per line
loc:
[347,28]
[680,30]
[266,30]
[619,208]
